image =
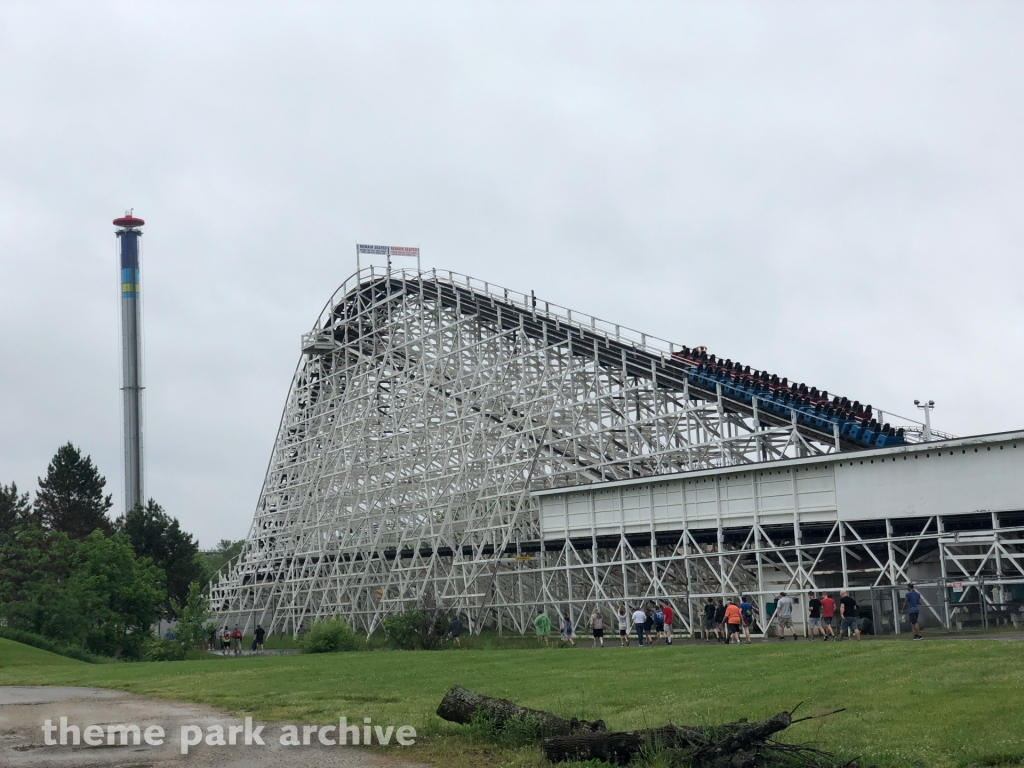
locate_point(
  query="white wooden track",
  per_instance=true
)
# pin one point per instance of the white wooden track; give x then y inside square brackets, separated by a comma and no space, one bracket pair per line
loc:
[431,416]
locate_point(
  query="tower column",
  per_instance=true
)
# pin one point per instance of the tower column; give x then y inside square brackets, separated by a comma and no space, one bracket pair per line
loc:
[128,236]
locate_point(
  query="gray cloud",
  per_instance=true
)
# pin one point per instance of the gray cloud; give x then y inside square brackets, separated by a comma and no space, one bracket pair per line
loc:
[832,192]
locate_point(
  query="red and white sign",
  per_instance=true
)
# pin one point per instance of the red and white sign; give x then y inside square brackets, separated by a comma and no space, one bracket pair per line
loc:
[401,250]
[958,586]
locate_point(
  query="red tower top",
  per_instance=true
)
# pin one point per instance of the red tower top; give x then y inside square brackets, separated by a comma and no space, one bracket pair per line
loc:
[128,222]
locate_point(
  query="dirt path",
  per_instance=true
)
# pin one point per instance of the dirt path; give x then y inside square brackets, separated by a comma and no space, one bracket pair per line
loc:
[23,711]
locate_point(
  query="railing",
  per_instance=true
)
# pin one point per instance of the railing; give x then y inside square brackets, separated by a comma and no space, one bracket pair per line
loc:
[527,301]
[913,430]
[915,434]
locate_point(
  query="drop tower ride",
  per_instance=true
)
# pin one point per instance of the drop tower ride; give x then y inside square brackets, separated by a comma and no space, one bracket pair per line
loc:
[128,235]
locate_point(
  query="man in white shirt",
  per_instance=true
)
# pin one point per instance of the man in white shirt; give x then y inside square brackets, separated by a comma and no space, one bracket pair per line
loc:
[639,619]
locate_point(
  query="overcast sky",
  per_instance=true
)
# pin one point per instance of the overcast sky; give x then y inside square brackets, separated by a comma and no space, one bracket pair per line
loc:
[830,191]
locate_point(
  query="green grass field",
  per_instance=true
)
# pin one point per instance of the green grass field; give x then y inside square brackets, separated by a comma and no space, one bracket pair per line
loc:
[940,703]
[17,655]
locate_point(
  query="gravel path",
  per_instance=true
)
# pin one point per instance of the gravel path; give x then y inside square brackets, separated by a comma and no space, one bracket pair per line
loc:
[23,711]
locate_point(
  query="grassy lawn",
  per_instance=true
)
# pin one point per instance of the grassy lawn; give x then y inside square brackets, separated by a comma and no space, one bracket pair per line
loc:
[18,655]
[933,703]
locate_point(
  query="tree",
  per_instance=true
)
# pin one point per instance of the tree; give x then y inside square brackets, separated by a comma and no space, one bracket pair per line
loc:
[70,498]
[15,508]
[120,594]
[193,618]
[92,593]
[158,536]
[35,566]
[225,552]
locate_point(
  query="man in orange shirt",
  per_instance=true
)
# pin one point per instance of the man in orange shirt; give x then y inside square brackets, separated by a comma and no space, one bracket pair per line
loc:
[732,621]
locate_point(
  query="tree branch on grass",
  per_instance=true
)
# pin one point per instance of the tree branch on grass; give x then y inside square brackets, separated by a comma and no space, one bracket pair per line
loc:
[459,705]
[740,744]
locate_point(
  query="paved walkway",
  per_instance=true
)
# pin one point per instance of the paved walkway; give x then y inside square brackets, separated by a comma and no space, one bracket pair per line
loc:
[23,711]
[248,652]
[583,641]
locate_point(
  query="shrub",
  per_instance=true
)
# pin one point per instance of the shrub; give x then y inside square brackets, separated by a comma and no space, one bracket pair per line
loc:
[403,630]
[416,630]
[159,649]
[331,636]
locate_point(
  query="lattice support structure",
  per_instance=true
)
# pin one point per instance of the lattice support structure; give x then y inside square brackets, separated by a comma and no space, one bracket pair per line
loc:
[425,412]
[872,559]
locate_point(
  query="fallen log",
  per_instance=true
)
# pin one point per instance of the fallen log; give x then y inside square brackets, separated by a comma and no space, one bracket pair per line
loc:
[732,745]
[620,747]
[735,744]
[459,705]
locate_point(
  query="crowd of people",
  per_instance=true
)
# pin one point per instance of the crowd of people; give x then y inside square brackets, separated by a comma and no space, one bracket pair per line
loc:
[230,640]
[725,621]
[731,621]
[650,626]
[728,622]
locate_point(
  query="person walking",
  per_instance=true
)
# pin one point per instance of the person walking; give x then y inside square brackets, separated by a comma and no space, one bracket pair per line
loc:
[258,636]
[912,605]
[455,630]
[784,615]
[566,630]
[709,621]
[597,626]
[659,623]
[828,610]
[543,626]
[236,636]
[848,615]
[623,615]
[814,616]
[212,638]
[732,621]
[747,616]
[666,611]
[639,623]
[720,623]
[225,640]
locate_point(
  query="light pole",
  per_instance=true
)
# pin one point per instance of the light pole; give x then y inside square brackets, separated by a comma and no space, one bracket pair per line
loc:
[927,408]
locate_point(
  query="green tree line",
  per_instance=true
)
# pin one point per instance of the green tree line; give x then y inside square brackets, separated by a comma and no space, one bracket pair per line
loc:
[73,575]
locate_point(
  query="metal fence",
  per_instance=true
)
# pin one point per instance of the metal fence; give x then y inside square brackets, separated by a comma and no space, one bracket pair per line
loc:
[957,606]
